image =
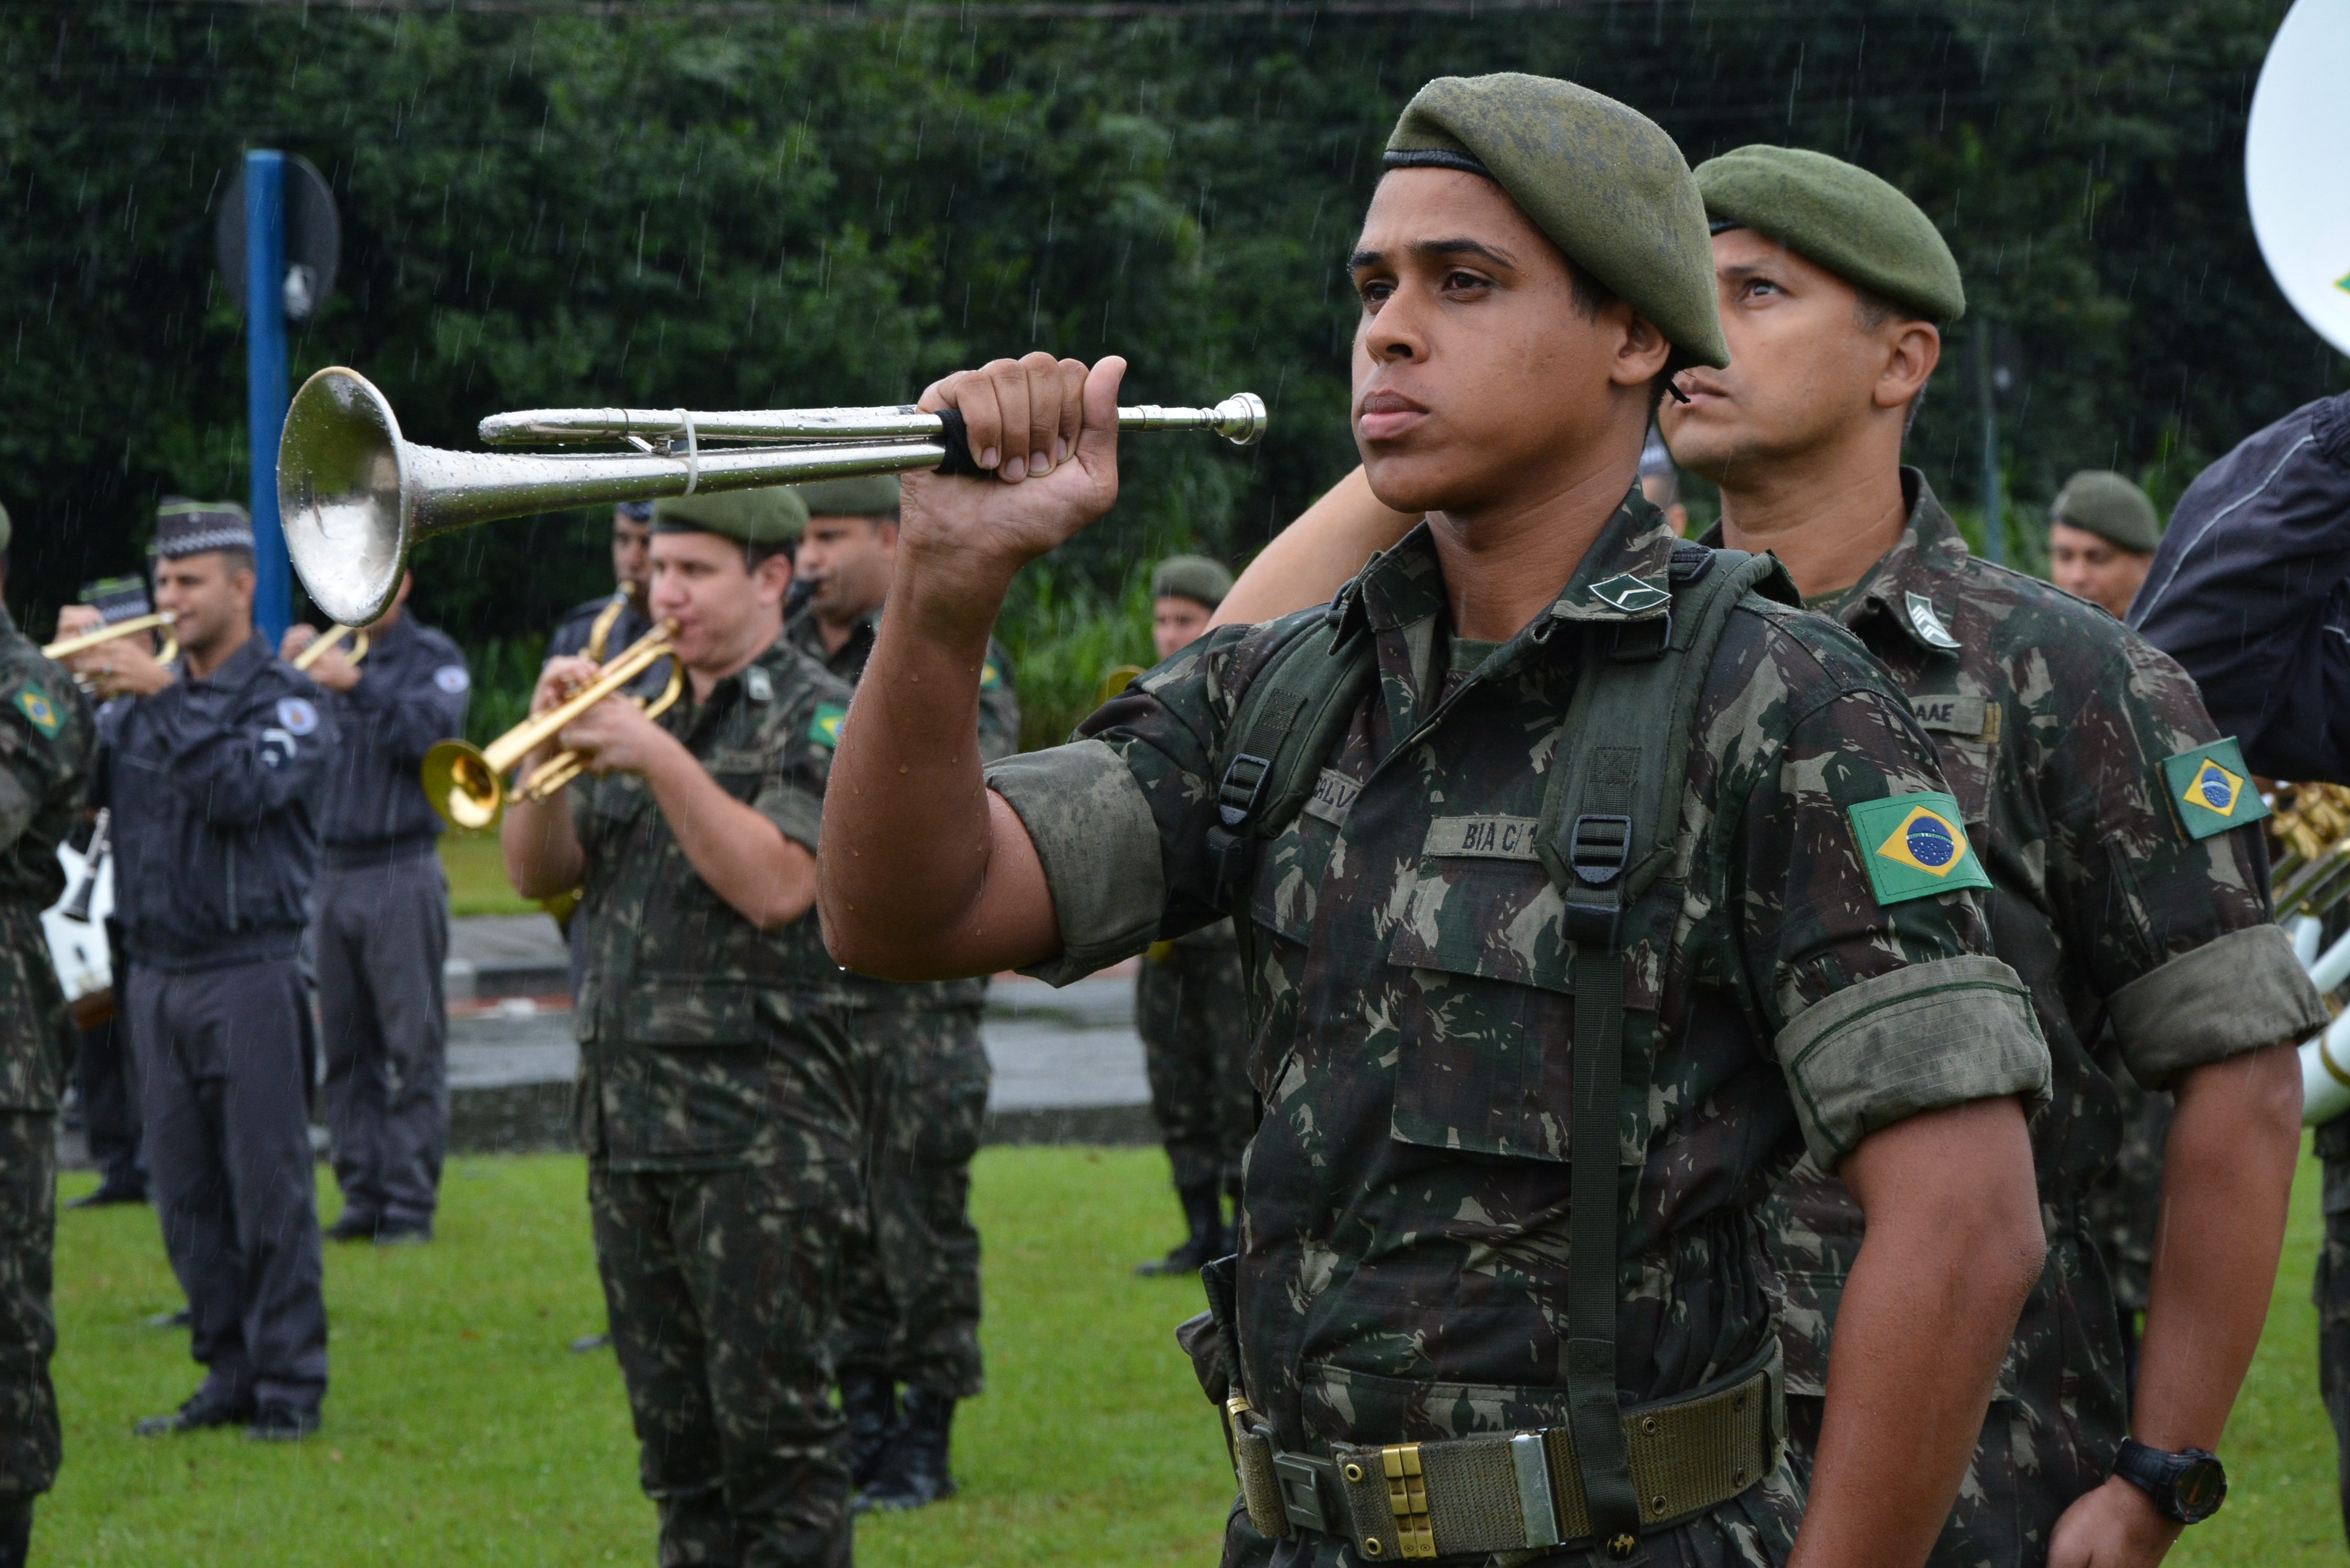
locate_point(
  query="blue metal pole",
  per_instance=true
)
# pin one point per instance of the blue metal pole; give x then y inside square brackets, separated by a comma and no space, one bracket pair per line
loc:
[265,381]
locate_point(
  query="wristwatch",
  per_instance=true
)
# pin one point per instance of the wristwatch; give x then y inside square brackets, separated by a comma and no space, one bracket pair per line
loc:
[2188,1486]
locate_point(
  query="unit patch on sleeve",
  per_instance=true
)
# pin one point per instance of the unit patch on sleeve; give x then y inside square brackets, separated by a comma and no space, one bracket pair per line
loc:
[2211,790]
[824,727]
[39,710]
[1913,845]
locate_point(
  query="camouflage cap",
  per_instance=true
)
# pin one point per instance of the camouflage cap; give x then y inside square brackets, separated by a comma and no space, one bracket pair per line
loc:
[875,495]
[1194,578]
[1604,181]
[1841,216]
[770,516]
[2104,502]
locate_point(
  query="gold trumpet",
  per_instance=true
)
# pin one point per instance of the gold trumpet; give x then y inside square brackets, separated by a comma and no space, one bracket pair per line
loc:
[466,783]
[354,495]
[136,624]
[319,646]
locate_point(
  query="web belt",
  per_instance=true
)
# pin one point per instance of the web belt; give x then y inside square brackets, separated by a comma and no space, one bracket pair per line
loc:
[1508,1492]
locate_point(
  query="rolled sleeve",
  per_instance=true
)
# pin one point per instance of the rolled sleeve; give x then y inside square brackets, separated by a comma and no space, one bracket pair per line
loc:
[2241,992]
[1099,845]
[1915,1039]
[796,813]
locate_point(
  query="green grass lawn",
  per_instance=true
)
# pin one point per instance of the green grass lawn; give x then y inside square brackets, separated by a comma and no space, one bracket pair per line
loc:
[462,1430]
[477,877]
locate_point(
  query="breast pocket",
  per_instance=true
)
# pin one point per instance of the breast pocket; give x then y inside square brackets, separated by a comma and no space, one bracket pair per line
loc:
[1285,902]
[1482,999]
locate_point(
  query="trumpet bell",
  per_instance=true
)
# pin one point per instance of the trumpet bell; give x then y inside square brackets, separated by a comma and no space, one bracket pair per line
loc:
[461,786]
[342,489]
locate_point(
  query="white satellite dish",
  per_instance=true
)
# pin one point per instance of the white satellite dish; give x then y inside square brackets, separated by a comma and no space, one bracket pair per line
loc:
[2299,199]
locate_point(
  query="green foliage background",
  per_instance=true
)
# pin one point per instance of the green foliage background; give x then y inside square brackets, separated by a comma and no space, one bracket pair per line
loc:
[735,203]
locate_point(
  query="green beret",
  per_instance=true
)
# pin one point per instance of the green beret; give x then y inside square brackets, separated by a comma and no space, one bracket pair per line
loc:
[876,495]
[1602,180]
[1841,216]
[1194,578]
[770,516]
[2108,506]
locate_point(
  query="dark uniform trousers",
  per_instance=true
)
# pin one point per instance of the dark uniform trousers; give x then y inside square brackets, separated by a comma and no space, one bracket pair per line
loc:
[722,1287]
[911,1312]
[1189,1008]
[382,935]
[108,1079]
[221,1055]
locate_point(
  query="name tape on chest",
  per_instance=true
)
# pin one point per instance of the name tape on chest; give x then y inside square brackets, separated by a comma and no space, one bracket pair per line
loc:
[1950,715]
[1912,845]
[1481,837]
[39,711]
[1334,796]
[2210,789]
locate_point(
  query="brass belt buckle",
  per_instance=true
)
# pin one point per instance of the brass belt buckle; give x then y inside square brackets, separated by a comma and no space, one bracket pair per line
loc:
[1408,1499]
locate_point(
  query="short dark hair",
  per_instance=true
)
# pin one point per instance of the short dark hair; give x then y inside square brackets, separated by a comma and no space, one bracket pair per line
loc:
[1872,310]
[1591,296]
[766,549]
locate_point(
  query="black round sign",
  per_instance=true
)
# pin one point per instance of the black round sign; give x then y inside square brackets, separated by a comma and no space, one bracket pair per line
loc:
[314,237]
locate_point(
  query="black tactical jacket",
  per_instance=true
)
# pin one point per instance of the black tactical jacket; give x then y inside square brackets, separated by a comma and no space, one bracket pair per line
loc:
[413,691]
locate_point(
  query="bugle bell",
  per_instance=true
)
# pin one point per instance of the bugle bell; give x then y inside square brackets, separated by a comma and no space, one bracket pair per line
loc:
[136,624]
[356,498]
[466,784]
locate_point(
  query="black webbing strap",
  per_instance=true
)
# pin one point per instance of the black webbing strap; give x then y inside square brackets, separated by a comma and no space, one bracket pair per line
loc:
[1599,849]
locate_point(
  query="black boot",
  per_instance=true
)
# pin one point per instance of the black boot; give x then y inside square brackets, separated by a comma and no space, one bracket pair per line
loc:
[870,1403]
[15,1536]
[913,1469]
[1204,1211]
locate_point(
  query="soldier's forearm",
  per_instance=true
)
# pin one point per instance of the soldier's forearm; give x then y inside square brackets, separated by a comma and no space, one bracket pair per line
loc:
[1953,1245]
[542,849]
[923,873]
[2227,1176]
[1310,560]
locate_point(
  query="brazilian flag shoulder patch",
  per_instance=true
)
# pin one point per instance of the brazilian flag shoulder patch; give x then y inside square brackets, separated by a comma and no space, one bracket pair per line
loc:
[1913,845]
[990,677]
[2211,790]
[39,711]
[824,727]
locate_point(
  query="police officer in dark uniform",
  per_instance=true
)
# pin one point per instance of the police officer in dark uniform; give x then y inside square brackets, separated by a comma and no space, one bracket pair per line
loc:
[45,738]
[214,780]
[382,928]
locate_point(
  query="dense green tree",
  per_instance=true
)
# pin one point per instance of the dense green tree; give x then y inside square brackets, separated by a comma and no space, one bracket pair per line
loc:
[728,205]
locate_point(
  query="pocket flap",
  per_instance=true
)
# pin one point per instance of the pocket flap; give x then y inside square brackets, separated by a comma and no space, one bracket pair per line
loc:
[690,1013]
[1492,915]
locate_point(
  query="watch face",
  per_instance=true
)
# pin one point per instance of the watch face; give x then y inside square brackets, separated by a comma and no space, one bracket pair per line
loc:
[2199,1487]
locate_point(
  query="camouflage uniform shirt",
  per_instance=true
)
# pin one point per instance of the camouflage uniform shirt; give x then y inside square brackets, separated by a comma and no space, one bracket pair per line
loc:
[2052,720]
[1403,1271]
[705,1041]
[48,736]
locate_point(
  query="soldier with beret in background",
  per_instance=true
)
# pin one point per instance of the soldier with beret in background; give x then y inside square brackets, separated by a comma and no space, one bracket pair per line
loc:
[380,932]
[2122,888]
[1582,881]
[2102,536]
[721,1096]
[46,737]
[621,613]
[1189,1005]
[216,774]
[909,1312]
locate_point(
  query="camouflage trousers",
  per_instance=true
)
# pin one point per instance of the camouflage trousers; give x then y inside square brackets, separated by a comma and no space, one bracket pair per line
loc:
[2331,1292]
[29,1443]
[909,1312]
[1191,1009]
[722,1287]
